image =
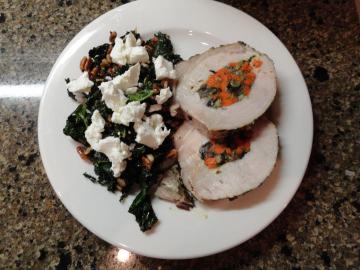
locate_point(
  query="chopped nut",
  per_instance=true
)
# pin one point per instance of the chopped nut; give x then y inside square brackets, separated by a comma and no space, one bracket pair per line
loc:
[82,63]
[155,108]
[112,37]
[146,162]
[150,157]
[83,152]
[172,153]
[109,49]
[165,83]
[174,109]
[88,64]
[94,71]
[104,63]
[108,58]
[121,182]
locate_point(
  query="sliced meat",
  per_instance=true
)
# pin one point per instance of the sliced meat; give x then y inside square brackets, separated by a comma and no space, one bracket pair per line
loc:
[194,72]
[232,178]
[171,189]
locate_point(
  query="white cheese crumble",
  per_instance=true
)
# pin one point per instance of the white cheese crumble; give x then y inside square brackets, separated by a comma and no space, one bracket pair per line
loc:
[113,97]
[131,112]
[151,132]
[128,52]
[164,95]
[164,68]
[131,90]
[93,132]
[112,147]
[116,151]
[113,91]
[129,78]
[80,85]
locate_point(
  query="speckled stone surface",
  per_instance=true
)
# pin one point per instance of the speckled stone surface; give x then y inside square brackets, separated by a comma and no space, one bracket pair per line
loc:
[318,230]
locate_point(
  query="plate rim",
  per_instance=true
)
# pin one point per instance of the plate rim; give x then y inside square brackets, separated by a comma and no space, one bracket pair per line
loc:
[137,251]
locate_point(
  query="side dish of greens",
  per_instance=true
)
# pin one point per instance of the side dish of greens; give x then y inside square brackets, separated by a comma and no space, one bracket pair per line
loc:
[125,120]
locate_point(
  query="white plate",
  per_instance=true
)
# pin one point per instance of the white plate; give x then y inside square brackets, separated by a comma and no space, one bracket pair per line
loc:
[194,26]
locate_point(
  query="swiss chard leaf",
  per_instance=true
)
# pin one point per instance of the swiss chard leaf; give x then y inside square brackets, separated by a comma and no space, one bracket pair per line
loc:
[140,95]
[77,123]
[143,211]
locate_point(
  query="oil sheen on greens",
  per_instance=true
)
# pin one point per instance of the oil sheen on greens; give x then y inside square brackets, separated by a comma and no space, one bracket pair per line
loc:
[136,176]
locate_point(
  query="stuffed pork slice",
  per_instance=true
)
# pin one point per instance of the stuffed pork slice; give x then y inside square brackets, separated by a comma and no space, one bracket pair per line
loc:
[227,87]
[213,179]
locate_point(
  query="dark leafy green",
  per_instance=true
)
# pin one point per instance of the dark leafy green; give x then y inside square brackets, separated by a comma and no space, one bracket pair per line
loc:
[98,53]
[143,211]
[102,168]
[140,95]
[164,47]
[94,102]
[77,123]
[90,177]
[136,174]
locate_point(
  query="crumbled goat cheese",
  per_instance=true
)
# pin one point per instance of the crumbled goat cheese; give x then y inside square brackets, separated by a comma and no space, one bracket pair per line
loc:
[131,112]
[164,95]
[112,147]
[128,52]
[151,132]
[79,86]
[113,91]
[93,132]
[113,97]
[164,68]
[129,78]
[116,151]
[131,90]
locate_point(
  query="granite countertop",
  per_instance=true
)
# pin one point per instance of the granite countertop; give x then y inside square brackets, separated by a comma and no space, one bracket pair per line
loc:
[318,230]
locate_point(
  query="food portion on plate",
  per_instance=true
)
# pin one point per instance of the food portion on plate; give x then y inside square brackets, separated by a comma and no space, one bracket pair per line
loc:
[224,151]
[153,124]
[227,87]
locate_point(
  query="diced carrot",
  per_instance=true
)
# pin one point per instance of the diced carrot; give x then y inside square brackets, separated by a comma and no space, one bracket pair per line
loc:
[218,148]
[239,150]
[249,79]
[211,162]
[247,146]
[246,67]
[228,102]
[257,63]
[246,90]
[251,75]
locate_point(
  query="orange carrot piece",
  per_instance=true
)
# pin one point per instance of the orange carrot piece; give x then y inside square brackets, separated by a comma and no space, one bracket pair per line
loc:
[211,162]
[257,63]
[246,67]
[218,148]
[246,90]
